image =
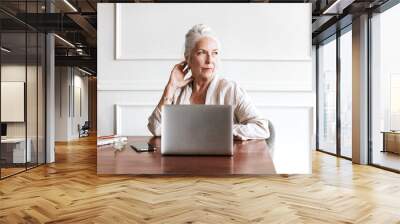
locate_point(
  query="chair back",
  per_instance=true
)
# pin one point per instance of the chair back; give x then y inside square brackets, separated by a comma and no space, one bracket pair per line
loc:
[271,140]
[86,125]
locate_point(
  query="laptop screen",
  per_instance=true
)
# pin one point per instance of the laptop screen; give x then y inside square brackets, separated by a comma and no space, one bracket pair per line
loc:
[3,129]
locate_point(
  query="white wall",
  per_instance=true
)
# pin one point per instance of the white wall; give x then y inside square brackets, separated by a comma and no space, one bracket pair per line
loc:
[79,117]
[70,84]
[62,80]
[271,58]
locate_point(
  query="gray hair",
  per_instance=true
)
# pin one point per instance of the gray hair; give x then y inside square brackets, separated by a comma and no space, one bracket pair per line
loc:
[197,32]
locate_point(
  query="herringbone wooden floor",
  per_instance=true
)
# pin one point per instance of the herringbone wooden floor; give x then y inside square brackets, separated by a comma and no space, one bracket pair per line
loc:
[69,191]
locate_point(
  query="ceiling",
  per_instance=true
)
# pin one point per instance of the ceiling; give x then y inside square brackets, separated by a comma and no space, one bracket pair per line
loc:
[76,22]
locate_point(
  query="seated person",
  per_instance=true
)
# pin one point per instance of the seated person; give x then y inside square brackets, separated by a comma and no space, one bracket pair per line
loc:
[205,87]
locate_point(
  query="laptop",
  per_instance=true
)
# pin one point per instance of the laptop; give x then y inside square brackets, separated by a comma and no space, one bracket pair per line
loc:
[3,131]
[197,130]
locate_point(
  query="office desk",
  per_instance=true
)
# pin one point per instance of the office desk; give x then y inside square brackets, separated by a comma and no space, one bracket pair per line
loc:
[13,150]
[250,157]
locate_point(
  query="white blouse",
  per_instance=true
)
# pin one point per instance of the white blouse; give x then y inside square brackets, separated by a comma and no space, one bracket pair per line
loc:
[247,122]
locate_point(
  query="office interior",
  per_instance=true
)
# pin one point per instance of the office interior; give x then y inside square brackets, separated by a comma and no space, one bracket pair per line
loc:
[48,85]
[29,58]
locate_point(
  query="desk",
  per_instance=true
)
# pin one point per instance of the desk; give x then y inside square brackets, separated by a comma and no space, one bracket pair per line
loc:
[250,157]
[13,150]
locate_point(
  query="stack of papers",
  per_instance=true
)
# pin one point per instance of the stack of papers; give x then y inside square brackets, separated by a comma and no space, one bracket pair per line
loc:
[110,139]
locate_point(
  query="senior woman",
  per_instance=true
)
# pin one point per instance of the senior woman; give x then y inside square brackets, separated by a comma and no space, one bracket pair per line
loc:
[205,87]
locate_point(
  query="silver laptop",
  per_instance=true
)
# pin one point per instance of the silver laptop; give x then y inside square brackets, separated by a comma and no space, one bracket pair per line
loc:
[197,130]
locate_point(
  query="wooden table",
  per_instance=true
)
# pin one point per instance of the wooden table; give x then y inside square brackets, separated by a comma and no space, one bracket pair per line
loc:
[250,157]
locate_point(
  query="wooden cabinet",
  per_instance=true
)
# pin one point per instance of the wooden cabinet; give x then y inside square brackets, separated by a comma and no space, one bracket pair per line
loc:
[391,142]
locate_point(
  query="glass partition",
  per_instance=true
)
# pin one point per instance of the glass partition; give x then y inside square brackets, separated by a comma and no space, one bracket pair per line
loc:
[22,62]
[32,85]
[41,87]
[13,103]
[32,96]
[327,96]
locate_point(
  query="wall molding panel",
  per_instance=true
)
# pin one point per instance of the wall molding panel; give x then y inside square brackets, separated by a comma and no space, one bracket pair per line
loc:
[159,86]
[150,39]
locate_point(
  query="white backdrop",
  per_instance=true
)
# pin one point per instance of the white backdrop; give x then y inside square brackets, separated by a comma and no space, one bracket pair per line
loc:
[266,48]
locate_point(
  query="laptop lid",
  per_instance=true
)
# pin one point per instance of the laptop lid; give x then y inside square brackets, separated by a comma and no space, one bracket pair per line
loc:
[3,129]
[197,130]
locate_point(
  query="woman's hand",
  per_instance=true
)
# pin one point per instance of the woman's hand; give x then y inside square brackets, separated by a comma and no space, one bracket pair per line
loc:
[176,79]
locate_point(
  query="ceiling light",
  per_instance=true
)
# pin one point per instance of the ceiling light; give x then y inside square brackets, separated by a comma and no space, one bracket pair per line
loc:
[338,6]
[65,41]
[84,71]
[5,50]
[70,5]
[79,51]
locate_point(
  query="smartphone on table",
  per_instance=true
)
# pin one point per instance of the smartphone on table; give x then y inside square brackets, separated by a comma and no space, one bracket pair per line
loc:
[143,147]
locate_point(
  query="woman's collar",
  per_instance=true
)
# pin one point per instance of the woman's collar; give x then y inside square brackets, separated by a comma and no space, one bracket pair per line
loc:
[211,88]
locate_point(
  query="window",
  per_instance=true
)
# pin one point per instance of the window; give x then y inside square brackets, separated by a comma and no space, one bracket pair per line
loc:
[385,89]
[346,93]
[327,96]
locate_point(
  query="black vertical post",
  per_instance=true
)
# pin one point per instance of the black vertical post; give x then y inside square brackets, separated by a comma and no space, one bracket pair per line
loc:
[1,163]
[45,88]
[73,91]
[338,81]
[37,89]
[369,90]
[317,95]
[26,86]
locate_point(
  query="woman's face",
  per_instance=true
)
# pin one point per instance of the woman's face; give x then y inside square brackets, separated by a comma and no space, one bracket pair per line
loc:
[204,58]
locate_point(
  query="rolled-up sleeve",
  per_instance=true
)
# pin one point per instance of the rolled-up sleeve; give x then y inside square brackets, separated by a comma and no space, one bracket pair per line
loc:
[154,124]
[249,123]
